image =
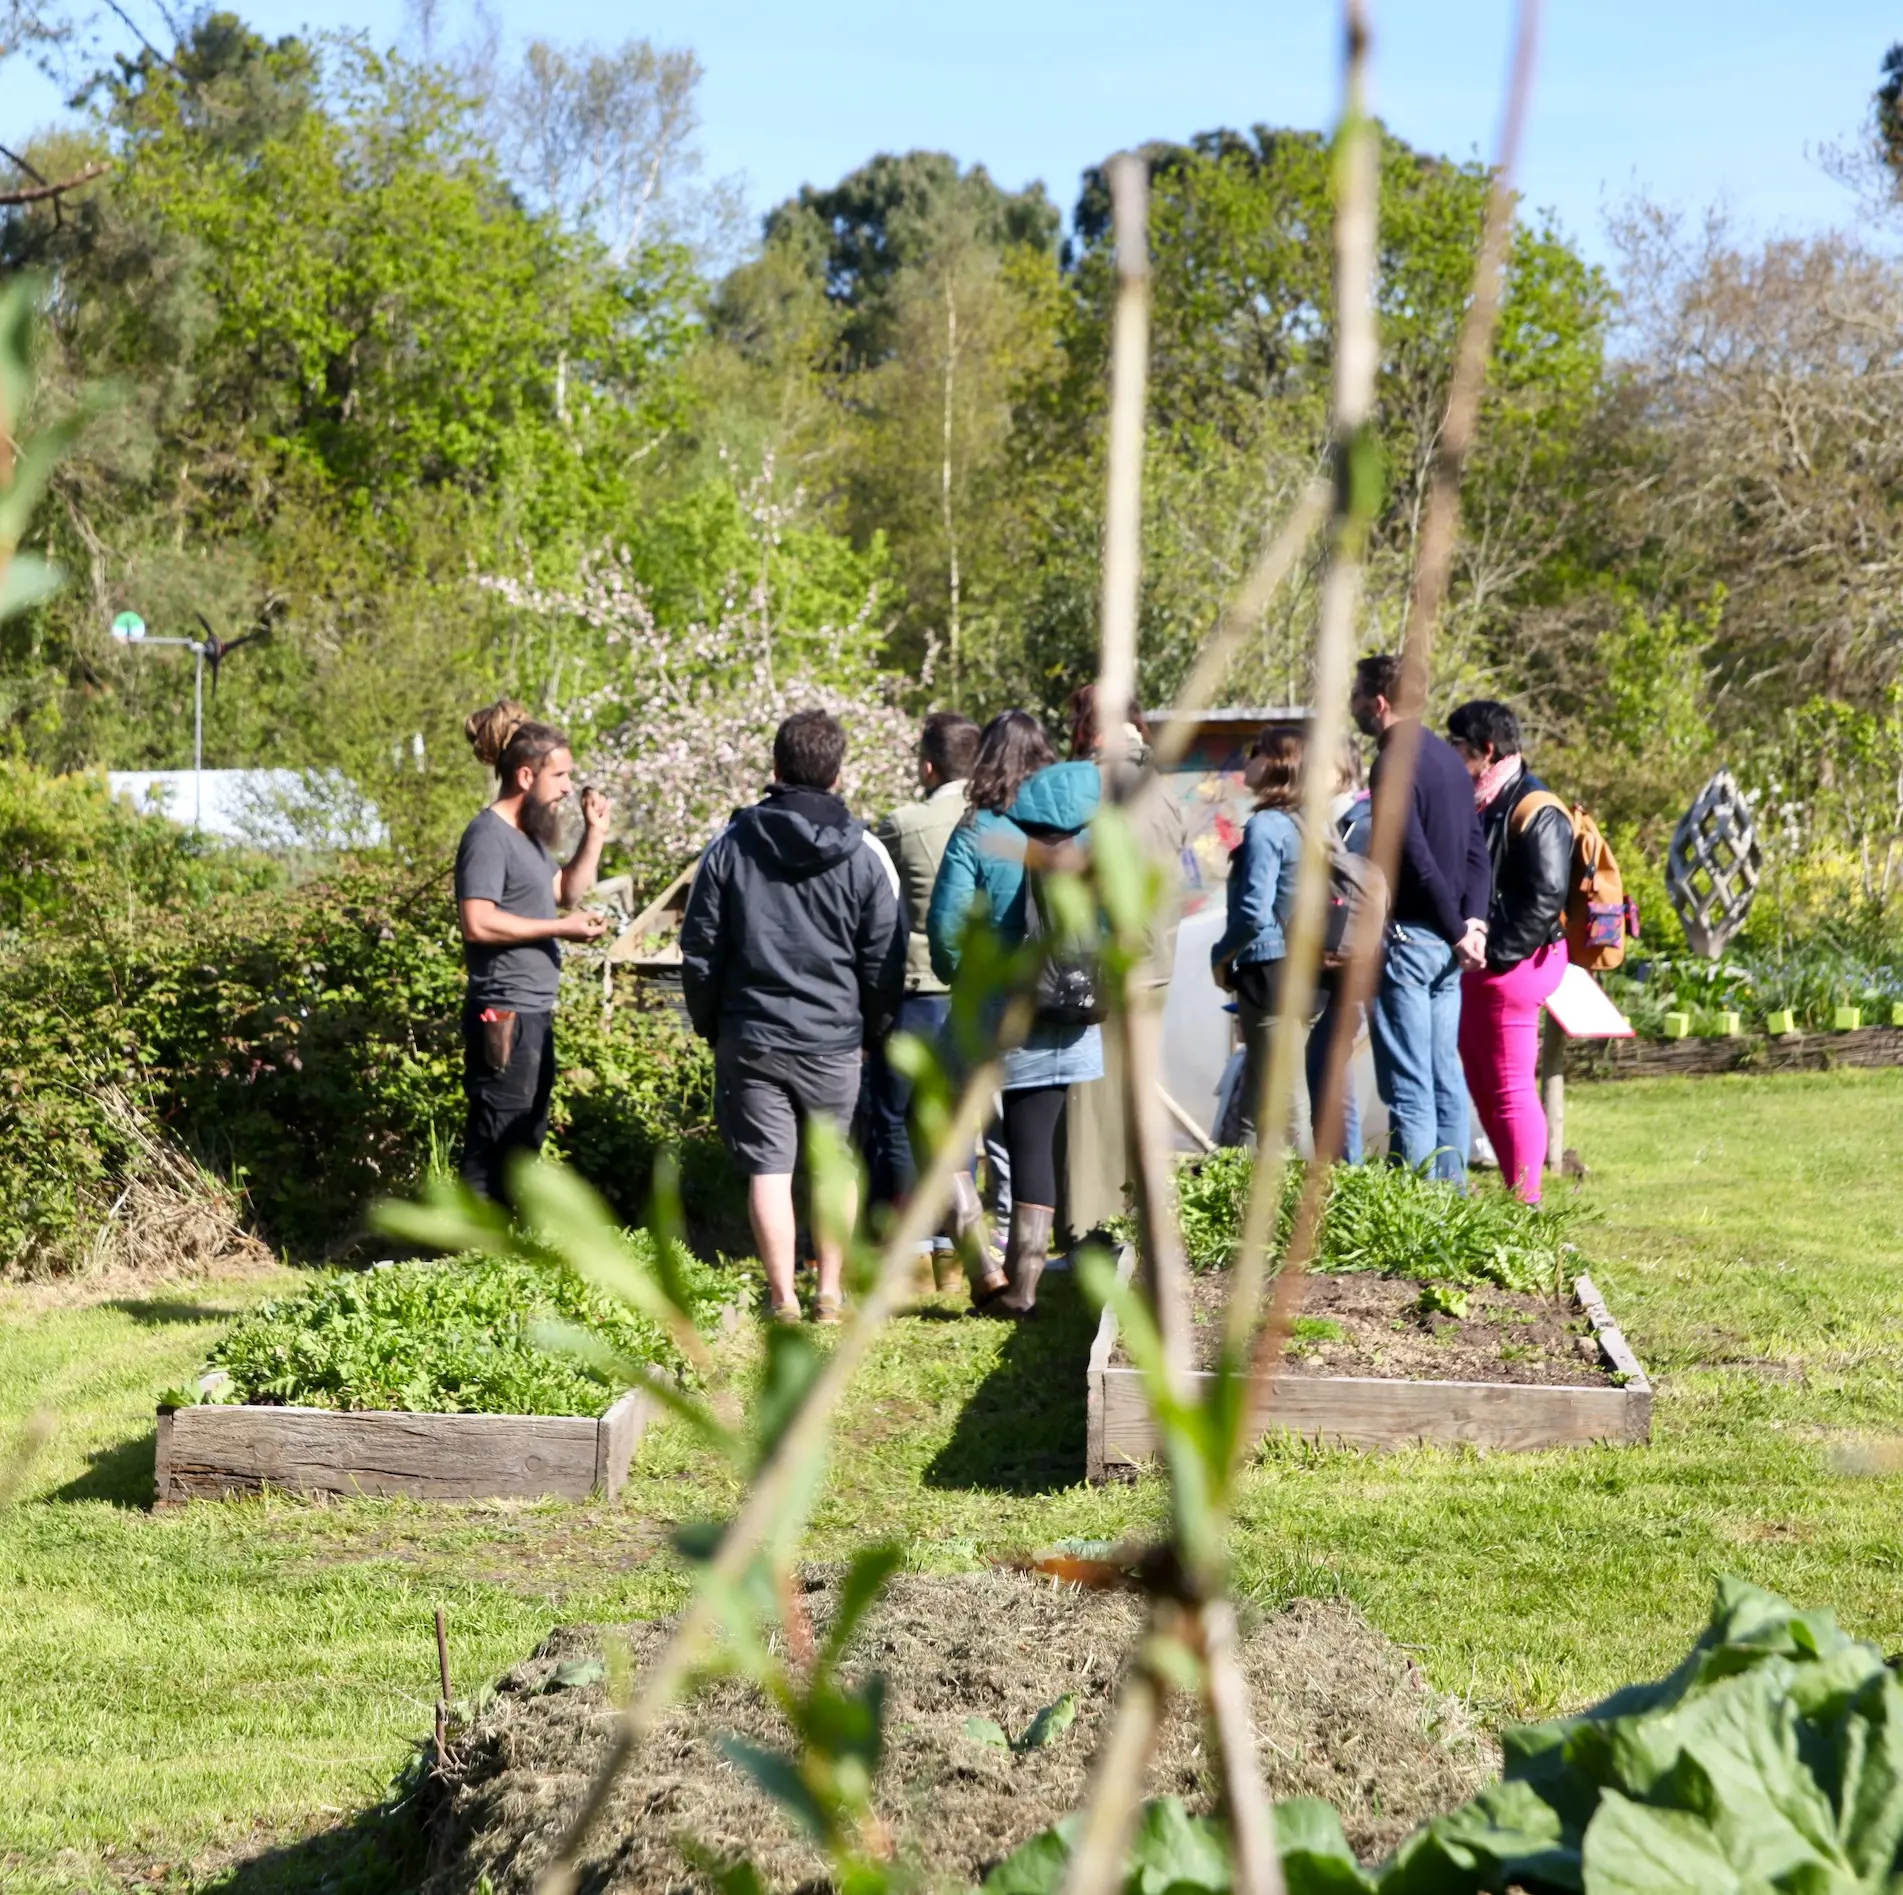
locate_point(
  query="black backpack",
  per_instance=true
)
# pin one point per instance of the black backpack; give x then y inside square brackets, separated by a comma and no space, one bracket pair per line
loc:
[1070,983]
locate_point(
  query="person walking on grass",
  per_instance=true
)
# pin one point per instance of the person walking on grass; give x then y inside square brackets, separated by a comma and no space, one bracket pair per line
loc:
[914,835]
[1529,835]
[1020,798]
[1438,928]
[792,962]
[510,893]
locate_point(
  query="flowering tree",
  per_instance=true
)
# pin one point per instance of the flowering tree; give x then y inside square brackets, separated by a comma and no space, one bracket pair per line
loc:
[680,729]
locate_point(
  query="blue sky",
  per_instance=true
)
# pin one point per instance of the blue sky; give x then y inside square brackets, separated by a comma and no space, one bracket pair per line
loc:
[1690,100]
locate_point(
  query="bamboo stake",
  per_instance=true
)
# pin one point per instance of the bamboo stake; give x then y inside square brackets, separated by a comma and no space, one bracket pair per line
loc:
[1356,360]
[1116,1791]
[1123,513]
[786,1471]
[1097,1864]
[1440,524]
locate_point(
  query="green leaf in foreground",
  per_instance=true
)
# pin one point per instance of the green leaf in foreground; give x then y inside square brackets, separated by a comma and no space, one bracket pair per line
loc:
[1771,1759]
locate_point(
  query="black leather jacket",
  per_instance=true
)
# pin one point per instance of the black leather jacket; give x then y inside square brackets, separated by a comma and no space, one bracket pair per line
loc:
[1532,871]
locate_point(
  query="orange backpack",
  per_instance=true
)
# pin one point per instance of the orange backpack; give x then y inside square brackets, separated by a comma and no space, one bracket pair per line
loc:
[1598,915]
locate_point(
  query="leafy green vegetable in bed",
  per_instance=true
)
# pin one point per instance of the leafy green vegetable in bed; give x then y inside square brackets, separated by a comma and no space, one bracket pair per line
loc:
[466,1336]
[1771,1759]
[1386,1222]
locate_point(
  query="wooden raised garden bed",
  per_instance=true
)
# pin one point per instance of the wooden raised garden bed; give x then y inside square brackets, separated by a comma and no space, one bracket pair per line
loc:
[1368,1411]
[217,1450]
[1867,1046]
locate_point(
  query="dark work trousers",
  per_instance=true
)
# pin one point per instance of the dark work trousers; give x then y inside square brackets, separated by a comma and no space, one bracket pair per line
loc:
[508,1109]
[890,1158]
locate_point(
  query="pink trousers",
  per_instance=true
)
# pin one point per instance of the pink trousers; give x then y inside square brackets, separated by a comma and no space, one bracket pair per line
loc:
[1500,1051]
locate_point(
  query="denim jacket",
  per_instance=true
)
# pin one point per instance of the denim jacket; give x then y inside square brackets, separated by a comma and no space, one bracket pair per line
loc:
[985,858]
[1261,890]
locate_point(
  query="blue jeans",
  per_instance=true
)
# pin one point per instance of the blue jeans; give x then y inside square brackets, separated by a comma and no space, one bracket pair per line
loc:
[1414,1026]
[1320,1037]
[889,1155]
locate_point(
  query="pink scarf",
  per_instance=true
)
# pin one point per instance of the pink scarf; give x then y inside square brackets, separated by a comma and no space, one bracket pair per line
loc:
[1500,772]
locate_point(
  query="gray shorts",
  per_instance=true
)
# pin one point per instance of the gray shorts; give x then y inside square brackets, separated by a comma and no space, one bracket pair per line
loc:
[764,1094]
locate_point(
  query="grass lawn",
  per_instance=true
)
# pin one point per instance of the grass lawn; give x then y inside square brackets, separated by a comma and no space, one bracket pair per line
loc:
[183,1689]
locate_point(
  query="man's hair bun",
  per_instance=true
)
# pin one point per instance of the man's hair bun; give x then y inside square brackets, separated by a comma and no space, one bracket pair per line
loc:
[490,729]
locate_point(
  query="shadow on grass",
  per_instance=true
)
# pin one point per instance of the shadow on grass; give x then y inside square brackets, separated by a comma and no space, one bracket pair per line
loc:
[155,1312]
[1022,1431]
[383,1851]
[124,1474]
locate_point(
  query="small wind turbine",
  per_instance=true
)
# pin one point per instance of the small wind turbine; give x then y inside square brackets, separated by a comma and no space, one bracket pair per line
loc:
[129,629]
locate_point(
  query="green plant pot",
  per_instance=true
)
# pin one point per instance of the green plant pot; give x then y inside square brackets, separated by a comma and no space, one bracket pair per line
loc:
[1678,1026]
[1896,1012]
[1730,1025]
[1847,1019]
[1783,1021]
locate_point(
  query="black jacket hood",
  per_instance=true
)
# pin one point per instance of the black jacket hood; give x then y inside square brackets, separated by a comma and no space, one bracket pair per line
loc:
[797,831]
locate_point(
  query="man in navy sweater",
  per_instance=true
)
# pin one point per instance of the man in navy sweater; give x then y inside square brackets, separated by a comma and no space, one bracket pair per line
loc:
[1442,892]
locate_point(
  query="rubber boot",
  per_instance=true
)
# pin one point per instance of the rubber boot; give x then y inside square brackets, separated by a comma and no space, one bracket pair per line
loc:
[1029,1251]
[970,1233]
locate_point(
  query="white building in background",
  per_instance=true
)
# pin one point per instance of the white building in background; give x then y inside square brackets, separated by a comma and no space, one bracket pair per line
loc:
[265,809]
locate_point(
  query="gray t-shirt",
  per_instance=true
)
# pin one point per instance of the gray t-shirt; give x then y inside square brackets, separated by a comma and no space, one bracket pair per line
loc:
[498,863]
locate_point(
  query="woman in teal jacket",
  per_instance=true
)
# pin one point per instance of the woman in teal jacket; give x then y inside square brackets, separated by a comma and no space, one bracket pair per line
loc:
[1017,789]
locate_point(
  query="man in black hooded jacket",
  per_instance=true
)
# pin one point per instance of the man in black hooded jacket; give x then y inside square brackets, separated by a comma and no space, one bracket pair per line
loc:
[793,960]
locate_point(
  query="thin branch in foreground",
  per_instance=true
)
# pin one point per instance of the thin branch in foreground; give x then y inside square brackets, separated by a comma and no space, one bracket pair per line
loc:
[1355,464]
[58,187]
[1116,1791]
[1438,532]
[785,1474]
[1123,511]
[17,162]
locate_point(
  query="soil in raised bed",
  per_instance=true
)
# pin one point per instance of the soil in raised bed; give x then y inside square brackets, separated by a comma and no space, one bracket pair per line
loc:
[1504,1337]
[1340,1713]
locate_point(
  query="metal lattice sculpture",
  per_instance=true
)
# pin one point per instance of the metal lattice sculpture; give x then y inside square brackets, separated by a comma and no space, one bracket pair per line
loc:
[1712,872]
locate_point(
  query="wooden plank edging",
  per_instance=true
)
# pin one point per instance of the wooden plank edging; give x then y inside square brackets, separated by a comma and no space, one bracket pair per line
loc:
[218,1450]
[1102,1348]
[1383,1412]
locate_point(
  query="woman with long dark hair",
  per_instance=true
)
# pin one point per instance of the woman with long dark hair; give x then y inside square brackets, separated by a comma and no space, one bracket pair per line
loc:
[1019,795]
[1529,836]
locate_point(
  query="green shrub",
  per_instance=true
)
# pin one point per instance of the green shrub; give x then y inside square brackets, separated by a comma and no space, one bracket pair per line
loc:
[304,1042]
[1383,1220]
[71,852]
[460,1337]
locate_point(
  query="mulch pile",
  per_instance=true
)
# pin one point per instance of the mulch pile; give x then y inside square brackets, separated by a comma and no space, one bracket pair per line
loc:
[1340,1713]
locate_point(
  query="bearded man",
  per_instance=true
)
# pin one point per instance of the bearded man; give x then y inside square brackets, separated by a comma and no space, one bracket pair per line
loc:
[509,893]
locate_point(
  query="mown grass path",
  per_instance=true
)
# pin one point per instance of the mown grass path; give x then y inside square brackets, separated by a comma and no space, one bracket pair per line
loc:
[181,1689]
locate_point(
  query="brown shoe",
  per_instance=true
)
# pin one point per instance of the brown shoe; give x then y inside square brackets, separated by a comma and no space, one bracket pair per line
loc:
[827,1311]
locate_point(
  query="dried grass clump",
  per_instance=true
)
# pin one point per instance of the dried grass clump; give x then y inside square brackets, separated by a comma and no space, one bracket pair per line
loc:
[1340,1713]
[171,1219]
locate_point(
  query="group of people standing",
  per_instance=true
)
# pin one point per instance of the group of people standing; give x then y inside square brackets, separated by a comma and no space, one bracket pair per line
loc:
[1475,941]
[809,939]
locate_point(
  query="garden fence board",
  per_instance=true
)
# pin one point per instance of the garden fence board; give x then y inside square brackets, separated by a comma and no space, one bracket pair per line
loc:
[211,1451]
